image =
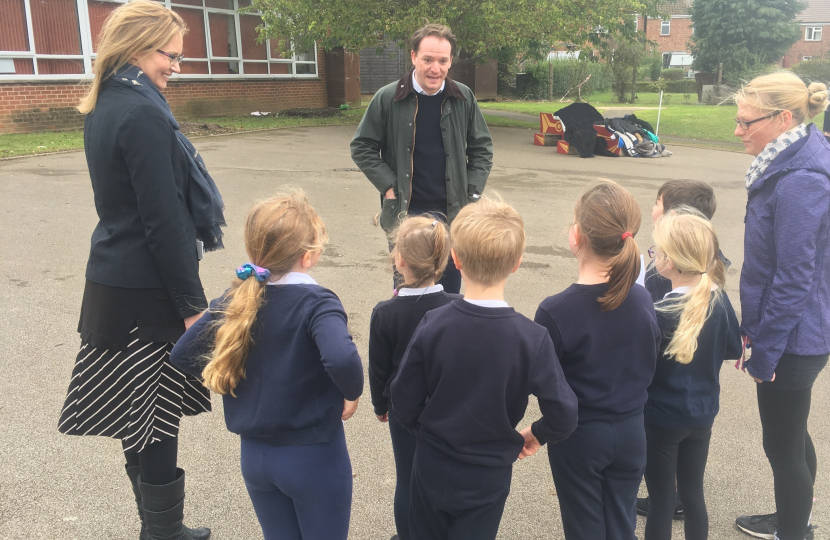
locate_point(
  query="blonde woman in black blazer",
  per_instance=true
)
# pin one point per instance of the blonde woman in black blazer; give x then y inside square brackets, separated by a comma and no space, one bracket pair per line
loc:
[157,210]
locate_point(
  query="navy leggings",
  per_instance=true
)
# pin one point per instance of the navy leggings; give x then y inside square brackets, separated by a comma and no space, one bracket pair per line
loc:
[597,472]
[300,492]
[403,446]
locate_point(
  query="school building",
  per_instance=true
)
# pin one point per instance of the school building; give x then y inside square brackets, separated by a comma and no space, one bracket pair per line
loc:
[48,47]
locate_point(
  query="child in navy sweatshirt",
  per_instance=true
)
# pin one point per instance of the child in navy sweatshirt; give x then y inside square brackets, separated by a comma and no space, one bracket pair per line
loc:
[463,385]
[278,349]
[605,334]
[700,331]
[422,249]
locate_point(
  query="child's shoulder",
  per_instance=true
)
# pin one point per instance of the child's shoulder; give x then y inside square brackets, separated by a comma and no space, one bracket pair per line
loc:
[426,302]
[575,293]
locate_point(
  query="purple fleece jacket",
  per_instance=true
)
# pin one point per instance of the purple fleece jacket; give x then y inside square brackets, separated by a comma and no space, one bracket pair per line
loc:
[785,279]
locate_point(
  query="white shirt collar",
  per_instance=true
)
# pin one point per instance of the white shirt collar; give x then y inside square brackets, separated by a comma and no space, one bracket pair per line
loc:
[488,303]
[418,292]
[293,278]
[679,290]
[420,90]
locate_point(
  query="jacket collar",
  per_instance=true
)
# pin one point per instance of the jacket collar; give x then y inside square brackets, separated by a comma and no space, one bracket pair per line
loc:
[404,88]
[807,153]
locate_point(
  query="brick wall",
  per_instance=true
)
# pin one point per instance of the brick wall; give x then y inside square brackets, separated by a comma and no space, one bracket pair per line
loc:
[27,107]
[801,48]
[679,37]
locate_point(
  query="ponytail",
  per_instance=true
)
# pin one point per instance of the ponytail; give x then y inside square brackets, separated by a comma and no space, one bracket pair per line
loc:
[233,336]
[690,243]
[609,217]
[424,244]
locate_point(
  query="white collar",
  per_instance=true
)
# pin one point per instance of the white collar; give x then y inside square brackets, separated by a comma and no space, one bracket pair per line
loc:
[488,303]
[679,290]
[420,89]
[418,292]
[294,278]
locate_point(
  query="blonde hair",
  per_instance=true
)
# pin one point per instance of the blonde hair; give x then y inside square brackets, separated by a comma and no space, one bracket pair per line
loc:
[489,239]
[424,245]
[690,243]
[130,31]
[605,213]
[278,233]
[784,91]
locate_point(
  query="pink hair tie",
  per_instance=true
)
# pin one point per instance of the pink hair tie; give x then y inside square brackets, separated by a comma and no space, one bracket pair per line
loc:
[627,235]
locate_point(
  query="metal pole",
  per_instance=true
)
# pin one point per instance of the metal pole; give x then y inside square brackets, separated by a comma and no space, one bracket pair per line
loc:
[659,109]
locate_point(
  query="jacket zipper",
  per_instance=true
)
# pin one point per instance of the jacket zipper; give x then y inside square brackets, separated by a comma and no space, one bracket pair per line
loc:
[447,213]
[412,153]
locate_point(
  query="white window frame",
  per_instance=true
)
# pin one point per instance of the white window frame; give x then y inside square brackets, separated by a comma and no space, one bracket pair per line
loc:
[87,56]
[665,27]
[810,33]
[806,58]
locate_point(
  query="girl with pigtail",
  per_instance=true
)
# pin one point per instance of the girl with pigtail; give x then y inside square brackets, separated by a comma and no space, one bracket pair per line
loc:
[420,254]
[700,331]
[605,333]
[277,347]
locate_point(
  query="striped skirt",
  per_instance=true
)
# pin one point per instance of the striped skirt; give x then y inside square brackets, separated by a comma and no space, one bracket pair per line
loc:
[134,394]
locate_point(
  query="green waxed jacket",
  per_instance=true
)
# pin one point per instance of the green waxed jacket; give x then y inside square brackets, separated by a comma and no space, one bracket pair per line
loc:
[384,142]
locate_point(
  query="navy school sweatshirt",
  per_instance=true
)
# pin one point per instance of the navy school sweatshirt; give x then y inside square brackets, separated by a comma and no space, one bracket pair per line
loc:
[685,396]
[464,382]
[608,357]
[303,363]
[390,331]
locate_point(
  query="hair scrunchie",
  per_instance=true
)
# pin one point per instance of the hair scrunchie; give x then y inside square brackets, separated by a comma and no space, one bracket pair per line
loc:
[247,270]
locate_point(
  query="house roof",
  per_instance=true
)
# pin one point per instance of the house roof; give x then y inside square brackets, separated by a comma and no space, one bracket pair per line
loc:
[817,11]
[683,8]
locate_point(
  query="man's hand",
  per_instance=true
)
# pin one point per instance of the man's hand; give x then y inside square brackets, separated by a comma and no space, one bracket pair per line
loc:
[188,322]
[382,417]
[532,445]
[349,407]
[390,194]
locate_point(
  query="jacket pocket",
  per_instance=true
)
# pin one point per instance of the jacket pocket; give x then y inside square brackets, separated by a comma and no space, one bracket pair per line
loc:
[389,213]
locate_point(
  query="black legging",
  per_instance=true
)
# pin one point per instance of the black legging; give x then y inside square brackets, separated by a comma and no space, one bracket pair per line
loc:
[157,461]
[791,454]
[681,453]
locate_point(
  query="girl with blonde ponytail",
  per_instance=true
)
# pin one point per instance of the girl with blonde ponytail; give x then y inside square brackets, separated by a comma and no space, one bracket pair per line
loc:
[278,349]
[700,331]
[605,334]
[421,249]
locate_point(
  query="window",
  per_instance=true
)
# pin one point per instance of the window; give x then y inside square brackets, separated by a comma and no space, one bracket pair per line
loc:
[59,38]
[806,58]
[812,33]
[666,60]
[665,27]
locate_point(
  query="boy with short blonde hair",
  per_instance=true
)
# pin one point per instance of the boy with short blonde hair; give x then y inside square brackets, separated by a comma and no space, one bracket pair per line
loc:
[464,382]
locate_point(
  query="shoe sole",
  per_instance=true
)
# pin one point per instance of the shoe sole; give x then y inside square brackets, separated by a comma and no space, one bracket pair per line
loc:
[766,536]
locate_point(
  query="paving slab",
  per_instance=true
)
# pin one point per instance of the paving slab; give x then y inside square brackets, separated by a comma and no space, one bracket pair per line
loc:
[58,487]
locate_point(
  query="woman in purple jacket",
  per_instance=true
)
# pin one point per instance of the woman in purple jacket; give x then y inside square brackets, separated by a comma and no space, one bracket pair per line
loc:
[785,283]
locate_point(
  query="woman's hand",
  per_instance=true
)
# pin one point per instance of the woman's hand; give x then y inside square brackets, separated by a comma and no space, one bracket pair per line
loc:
[349,408]
[382,417]
[188,322]
[532,444]
[759,381]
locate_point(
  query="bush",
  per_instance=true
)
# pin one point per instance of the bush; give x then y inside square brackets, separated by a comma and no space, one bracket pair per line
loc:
[567,73]
[813,71]
[674,74]
[746,75]
[656,67]
[686,86]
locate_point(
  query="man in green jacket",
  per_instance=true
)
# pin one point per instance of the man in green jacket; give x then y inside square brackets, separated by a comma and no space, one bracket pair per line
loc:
[423,141]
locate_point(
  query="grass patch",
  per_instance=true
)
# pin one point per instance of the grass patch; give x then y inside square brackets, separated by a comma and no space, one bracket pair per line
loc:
[500,121]
[18,144]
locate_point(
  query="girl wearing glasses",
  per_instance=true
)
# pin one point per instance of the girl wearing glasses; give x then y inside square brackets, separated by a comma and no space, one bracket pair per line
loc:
[158,210]
[785,283]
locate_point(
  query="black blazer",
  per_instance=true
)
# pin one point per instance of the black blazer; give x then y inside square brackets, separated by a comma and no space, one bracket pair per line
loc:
[145,237]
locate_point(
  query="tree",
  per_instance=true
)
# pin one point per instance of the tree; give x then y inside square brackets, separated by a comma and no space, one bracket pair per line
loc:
[483,27]
[742,35]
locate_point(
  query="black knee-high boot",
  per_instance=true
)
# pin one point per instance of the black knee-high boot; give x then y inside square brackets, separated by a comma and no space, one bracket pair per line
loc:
[132,473]
[163,508]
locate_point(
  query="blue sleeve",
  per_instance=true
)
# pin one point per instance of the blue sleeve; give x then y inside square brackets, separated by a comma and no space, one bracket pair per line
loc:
[544,318]
[557,401]
[734,343]
[328,328]
[409,389]
[802,203]
[380,364]
[191,350]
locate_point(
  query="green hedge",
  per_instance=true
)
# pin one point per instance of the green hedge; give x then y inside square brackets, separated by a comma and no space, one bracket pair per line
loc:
[813,70]
[567,73]
[673,74]
[685,86]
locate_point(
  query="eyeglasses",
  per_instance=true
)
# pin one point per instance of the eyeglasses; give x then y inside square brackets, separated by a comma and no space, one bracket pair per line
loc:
[174,58]
[745,124]
[652,252]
